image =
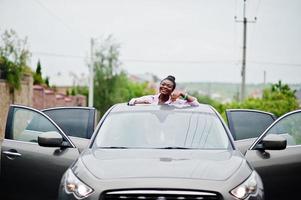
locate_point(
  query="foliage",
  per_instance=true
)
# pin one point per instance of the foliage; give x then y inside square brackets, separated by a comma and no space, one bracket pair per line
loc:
[206,100]
[11,72]
[37,76]
[14,56]
[47,81]
[39,68]
[278,99]
[13,48]
[82,90]
[111,84]
[73,93]
[26,70]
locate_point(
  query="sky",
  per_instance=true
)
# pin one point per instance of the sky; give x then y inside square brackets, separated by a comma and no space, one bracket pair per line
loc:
[194,40]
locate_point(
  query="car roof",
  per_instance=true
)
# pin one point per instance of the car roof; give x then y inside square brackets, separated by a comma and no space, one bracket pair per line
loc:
[123,107]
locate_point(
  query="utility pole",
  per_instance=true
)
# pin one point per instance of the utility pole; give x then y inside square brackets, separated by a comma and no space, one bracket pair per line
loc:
[264,77]
[243,68]
[91,75]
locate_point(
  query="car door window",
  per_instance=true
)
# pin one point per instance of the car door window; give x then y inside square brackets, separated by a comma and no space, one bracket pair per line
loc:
[73,121]
[290,128]
[27,125]
[245,124]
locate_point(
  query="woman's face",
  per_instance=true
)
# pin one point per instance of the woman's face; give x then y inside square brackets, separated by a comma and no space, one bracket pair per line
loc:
[166,87]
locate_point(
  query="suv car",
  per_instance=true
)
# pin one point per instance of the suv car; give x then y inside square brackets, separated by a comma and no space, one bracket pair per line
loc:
[161,152]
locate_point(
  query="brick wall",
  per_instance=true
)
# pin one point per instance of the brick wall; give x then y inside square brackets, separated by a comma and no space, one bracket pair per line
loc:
[4,102]
[80,100]
[35,96]
[47,98]
[60,99]
[50,99]
[68,101]
[38,97]
[21,97]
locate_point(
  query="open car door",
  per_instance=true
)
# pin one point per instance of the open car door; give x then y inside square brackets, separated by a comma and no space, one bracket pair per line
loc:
[246,125]
[30,169]
[279,164]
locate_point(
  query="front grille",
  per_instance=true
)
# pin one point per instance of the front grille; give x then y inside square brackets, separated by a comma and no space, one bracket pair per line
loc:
[159,195]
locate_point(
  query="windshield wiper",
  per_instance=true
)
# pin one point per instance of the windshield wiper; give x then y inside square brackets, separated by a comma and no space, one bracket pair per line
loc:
[113,147]
[172,148]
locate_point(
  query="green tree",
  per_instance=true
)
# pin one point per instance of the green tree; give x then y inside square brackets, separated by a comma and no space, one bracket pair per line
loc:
[278,99]
[14,56]
[105,65]
[37,76]
[39,68]
[47,81]
[111,84]
[82,90]
[73,93]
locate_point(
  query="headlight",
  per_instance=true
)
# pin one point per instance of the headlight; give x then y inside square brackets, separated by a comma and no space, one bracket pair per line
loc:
[75,186]
[247,187]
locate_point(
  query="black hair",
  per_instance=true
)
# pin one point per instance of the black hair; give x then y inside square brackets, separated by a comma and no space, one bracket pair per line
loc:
[172,79]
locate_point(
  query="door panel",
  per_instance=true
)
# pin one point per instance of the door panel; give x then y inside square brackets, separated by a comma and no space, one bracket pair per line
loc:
[30,171]
[245,124]
[36,172]
[74,121]
[280,169]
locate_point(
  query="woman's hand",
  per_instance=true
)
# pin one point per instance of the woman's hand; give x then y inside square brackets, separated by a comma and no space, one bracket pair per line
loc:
[175,95]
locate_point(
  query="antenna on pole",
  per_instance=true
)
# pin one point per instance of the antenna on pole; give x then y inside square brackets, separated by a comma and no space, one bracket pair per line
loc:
[243,68]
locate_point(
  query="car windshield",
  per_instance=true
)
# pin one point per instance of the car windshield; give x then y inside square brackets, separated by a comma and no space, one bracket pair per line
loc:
[162,129]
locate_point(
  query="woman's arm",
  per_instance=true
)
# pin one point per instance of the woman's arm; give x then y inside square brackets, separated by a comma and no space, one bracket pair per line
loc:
[141,100]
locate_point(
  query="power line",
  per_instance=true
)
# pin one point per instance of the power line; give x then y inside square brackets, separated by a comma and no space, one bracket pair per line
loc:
[170,61]
[179,61]
[59,19]
[275,63]
[138,60]
[59,55]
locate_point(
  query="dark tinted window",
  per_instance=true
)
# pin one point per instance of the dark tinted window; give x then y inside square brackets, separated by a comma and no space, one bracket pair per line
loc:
[246,124]
[161,129]
[74,122]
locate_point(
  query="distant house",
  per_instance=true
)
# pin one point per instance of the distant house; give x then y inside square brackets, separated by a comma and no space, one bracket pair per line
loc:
[151,79]
[256,93]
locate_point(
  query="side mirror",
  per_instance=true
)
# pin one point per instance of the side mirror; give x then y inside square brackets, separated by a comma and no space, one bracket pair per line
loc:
[50,139]
[273,142]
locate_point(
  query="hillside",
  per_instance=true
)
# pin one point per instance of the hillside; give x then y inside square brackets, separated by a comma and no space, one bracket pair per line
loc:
[227,91]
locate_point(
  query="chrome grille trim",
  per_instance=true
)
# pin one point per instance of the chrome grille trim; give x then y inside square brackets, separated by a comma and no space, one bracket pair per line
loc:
[161,192]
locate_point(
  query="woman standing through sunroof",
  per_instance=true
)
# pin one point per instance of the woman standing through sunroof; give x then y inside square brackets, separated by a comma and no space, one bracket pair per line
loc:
[167,95]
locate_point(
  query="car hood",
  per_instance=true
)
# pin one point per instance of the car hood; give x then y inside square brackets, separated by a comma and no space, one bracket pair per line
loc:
[158,163]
